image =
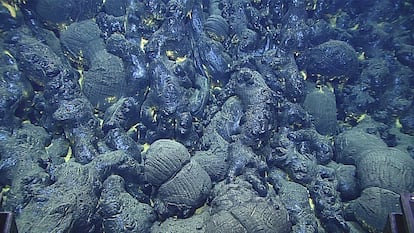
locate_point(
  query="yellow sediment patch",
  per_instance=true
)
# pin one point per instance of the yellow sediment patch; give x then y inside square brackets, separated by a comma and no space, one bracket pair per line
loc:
[10,8]
[68,155]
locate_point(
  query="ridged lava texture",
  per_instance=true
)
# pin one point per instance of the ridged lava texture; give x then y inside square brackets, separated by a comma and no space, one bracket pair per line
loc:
[386,168]
[322,105]
[188,188]
[164,159]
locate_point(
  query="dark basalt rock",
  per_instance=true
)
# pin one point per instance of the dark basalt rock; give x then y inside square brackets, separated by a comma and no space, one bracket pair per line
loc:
[181,185]
[259,103]
[38,61]
[296,200]
[15,90]
[215,59]
[68,194]
[351,144]
[20,153]
[122,114]
[182,116]
[386,168]
[82,40]
[73,111]
[117,139]
[120,211]
[321,104]
[407,122]
[236,208]
[313,144]
[332,58]
[405,55]
[230,123]
[216,27]
[347,182]
[116,7]
[9,21]
[110,24]
[163,160]
[62,11]
[184,192]
[216,166]
[373,206]
[104,83]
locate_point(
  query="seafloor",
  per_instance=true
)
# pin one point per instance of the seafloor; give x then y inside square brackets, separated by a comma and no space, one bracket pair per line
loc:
[205,116]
